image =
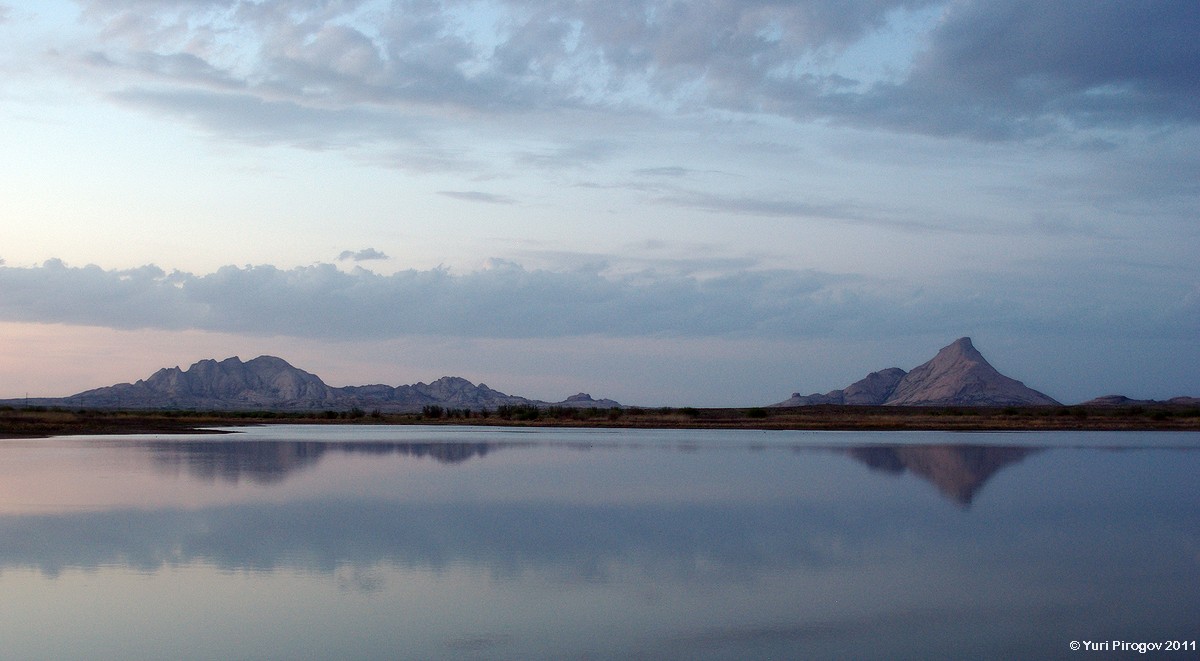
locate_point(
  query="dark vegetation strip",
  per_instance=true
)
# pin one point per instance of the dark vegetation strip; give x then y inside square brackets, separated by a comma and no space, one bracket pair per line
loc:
[19,422]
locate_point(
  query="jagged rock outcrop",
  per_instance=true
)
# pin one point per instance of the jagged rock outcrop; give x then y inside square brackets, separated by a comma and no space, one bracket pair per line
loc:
[957,376]
[270,383]
[448,391]
[262,383]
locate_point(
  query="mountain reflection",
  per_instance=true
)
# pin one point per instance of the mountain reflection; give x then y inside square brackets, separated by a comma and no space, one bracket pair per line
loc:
[562,525]
[958,471]
[265,462]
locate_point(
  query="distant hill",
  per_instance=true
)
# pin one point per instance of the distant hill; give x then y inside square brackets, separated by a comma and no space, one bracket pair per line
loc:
[1122,400]
[270,383]
[957,376]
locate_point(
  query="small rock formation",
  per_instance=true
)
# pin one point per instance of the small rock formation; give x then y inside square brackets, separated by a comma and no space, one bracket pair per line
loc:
[585,401]
[957,376]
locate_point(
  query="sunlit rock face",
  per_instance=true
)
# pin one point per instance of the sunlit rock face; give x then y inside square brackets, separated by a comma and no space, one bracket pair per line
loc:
[960,376]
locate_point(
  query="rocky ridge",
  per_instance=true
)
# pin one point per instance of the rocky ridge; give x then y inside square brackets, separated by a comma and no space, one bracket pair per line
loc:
[270,383]
[957,376]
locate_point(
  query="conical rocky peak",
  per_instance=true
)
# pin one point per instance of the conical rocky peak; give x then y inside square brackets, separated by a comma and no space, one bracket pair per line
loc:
[960,376]
[963,349]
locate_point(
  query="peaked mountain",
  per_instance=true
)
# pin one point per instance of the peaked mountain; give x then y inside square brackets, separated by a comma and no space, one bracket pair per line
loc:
[960,376]
[957,376]
[272,383]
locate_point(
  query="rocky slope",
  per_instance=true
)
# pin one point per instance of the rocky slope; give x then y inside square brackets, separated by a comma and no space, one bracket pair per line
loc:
[870,391]
[957,376]
[270,383]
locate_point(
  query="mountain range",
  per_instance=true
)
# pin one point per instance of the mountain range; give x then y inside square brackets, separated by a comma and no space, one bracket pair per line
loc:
[957,376]
[270,383]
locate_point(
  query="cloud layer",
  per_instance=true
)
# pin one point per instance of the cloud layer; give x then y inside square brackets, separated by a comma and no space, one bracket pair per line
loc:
[508,301]
[335,71]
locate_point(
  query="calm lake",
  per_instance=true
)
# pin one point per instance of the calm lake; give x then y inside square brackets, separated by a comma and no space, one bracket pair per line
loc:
[377,542]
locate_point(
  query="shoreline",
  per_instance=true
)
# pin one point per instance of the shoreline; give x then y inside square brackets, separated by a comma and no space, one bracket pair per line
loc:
[36,422]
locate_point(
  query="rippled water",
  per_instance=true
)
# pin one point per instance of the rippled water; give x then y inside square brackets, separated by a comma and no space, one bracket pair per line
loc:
[340,542]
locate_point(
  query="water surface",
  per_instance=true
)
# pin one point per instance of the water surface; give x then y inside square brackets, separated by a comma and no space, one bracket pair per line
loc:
[314,542]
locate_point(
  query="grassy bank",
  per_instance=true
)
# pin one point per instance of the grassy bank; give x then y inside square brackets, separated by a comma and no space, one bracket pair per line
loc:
[40,422]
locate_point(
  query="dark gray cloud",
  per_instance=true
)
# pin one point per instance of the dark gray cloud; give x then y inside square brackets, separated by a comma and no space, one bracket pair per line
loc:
[337,67]
[509,301]
[364,255]
[1013,69]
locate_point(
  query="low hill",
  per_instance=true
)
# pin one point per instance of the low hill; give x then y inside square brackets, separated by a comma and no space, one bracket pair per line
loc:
[1122,400]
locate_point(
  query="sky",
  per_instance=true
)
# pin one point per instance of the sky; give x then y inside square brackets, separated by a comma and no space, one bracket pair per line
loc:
[667,203]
